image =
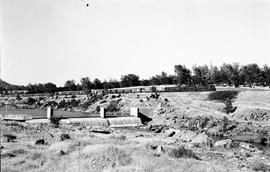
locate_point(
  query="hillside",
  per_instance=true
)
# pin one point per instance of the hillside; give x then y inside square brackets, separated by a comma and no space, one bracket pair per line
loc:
[4,84]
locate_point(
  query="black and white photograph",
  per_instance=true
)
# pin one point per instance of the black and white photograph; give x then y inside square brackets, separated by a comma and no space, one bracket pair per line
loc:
[134,85]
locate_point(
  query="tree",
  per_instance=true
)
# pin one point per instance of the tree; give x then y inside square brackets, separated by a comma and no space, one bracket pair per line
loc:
[97,84]
[215,75]
[114,84]
[50,88]
[105,85]
[201,75]
[266,71]
[70,85]
[86,86]
[231,73]
[155,80]
[232,70]
[251,73]
[129,80]
[165,79]
[183,75]
[145,82]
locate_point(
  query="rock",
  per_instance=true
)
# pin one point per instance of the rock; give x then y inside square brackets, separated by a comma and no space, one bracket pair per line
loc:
[8,138]
[40,142]
[247,146]
[152,147]
[171,134]
[215,131]
[227,144]
[201,140]
[159,149]
[187,136]
[156,129]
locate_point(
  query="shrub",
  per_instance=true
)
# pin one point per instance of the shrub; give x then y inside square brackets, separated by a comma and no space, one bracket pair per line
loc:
[18,151]
[18,97]
[40,142]
[119,137]
[228,105]
[55,120]
[113,106]
[260,166]
[153,89]
[8,138]
[222,95]
[73,96]
[64,137]
[182,152]
[30,100]
[97,109]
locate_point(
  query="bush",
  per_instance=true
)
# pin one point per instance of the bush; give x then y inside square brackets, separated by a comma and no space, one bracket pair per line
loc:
[64,137]
[119,137]
[260,166]
[73,96]
[30,100]
[113,106]
[182,152]
[55,120]
[228,107]
[18,97]
[222,95]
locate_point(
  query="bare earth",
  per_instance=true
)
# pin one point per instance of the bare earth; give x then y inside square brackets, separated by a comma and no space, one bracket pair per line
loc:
[180,137]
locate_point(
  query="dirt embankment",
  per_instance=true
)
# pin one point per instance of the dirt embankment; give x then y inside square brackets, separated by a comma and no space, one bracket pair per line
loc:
[253,106]
[190,110]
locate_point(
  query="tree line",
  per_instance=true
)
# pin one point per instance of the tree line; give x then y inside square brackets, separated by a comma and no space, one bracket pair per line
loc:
[227,74]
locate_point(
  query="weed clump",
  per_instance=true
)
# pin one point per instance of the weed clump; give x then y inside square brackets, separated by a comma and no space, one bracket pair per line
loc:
[113,106]
[64,137]
[260,166]
[55,121]
[119,137]
[182,152]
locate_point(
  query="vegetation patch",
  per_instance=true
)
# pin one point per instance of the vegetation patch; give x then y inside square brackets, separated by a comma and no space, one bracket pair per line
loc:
[113,106]
[182,152]
[55,121]
[222,95]
[119,137]
[260,166]
[106,156]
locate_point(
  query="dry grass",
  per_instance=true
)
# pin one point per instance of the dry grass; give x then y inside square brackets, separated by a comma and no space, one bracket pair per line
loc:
[182,152]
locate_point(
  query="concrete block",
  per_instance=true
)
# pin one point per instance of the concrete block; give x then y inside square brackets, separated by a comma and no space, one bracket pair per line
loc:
[103,112]
[49,112]
[17,117]
[134,111]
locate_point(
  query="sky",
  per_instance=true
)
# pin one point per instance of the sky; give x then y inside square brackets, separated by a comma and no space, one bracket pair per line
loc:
[58,40]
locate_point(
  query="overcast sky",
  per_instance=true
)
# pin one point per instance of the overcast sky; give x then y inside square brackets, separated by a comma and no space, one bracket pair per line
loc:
[56,40]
